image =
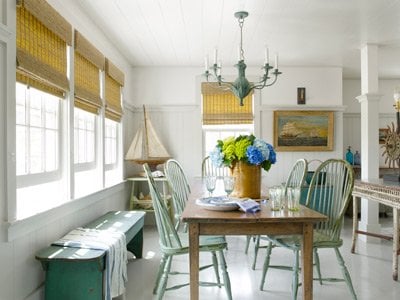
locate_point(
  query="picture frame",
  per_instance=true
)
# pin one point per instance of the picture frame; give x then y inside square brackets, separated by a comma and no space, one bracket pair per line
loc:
[303,130]
[301,95]
[382,135]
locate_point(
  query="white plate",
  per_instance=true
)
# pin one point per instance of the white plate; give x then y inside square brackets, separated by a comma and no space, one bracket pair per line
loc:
[221,203]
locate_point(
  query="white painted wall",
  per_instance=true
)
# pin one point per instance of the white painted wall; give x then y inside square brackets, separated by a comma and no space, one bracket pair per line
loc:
[352,116]
[21,276]
[173,97]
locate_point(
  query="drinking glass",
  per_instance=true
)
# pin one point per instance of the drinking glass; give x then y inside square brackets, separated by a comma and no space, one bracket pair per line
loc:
[229,184]
[293,198]
[275,194]
[210,184]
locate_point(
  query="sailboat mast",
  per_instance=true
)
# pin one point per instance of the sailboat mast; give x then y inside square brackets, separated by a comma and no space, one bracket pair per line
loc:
[146,136]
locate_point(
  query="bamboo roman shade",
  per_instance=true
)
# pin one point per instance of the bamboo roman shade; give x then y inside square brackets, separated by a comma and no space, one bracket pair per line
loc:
[88,63]
[222,107]
[42,37]
[114,81]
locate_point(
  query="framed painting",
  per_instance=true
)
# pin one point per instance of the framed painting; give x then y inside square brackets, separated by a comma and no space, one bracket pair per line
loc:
[303,130]
[382,135]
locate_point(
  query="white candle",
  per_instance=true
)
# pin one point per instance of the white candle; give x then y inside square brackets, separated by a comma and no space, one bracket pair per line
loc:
[206,63]
[219,68]
[266,55]
[215,56]
[276,61]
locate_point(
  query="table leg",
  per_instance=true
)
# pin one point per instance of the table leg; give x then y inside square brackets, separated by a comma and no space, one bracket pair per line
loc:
[355,224]
[307,261]
[194,260]
[395,243]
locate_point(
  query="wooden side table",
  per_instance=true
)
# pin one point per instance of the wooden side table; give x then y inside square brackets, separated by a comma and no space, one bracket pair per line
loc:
[136,203]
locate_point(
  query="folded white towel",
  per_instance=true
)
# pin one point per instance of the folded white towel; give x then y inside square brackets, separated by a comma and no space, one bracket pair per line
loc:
[114,243]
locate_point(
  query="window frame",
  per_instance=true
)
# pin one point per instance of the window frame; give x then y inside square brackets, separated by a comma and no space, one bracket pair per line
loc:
[86,166]
[112,166]
[30,179]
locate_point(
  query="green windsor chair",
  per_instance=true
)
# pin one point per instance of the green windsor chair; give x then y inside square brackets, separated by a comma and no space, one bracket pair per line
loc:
[296,178]
[329,193]
[208,169]
[174,243]
[180,188]
[180,194]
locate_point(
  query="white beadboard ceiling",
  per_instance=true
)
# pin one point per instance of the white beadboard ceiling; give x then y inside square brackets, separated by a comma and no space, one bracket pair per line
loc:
[304,32]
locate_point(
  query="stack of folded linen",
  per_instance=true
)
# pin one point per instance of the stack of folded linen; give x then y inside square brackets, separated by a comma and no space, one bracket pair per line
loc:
[114,243]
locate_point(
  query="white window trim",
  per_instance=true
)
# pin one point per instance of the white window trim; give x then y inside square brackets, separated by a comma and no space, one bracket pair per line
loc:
[44,177]
[86,166]
[19,228]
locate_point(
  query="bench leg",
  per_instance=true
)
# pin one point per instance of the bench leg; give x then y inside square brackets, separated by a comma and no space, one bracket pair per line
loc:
[136,244]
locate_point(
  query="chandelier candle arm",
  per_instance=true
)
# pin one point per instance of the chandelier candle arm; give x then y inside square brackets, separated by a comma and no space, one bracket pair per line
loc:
[241,87]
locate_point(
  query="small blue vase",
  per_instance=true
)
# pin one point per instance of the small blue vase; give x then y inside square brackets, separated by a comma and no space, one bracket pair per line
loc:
[349,156]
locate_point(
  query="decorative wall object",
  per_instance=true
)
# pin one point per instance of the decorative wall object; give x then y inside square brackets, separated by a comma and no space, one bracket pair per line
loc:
[301,95]
[303,130]
[382,135]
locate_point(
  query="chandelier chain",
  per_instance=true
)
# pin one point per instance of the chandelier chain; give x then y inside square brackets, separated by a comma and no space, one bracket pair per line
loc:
[241,21]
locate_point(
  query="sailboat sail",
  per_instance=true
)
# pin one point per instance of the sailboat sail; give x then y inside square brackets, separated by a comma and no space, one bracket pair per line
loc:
[146,147]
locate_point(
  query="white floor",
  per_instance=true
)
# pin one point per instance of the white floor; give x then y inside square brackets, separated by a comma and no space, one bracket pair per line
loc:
[370,269]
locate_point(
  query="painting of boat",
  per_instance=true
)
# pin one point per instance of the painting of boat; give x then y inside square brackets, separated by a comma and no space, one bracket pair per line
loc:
[303,130]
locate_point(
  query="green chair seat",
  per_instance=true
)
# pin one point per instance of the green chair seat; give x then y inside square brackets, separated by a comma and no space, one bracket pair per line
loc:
[331,197]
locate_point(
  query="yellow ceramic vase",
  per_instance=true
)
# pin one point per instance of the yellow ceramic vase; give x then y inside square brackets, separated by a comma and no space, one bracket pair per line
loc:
[247,180]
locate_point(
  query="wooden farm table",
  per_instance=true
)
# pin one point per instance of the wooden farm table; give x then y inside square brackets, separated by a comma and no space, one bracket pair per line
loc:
[206,222]
[387,193]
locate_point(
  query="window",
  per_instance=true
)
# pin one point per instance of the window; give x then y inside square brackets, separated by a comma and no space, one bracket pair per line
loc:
[37,135]
[213,133]
[38,145]
[110,143]
[84,140]
[223,116]
[48,171]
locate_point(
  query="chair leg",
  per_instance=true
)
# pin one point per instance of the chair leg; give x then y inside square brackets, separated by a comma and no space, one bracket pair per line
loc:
[215,265]
[225,275]
[164,278]
[318,266]
[256,248]
[295,279]
[159,274]
[346,274]
[248,238]
[266,265]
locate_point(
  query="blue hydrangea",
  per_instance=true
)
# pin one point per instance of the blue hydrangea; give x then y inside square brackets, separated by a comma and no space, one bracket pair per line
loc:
[272,154]
[217,158]
[262,146]
[254,155]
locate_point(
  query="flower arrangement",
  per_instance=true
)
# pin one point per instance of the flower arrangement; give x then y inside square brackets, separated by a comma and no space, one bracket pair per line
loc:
[245,148]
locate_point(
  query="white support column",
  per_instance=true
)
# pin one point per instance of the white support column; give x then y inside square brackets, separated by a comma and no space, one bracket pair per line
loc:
[369,100]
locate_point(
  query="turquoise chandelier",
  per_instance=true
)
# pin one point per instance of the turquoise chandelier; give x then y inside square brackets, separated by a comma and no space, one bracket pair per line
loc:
[241,87]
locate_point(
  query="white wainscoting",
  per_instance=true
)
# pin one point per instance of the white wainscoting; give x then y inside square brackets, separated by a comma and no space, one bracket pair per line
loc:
[352,132]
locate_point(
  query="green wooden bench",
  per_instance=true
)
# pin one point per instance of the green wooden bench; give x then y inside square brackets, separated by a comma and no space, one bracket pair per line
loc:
[77,274]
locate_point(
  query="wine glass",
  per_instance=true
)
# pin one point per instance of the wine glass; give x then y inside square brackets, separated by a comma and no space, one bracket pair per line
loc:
[229,183]
[210,184]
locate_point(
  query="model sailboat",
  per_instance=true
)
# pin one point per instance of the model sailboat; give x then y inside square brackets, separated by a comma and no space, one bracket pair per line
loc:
[146,147]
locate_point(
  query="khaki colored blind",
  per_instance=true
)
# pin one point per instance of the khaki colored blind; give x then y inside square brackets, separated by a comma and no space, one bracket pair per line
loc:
[113,83]
[87,65]
[220,106]
[42,36]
